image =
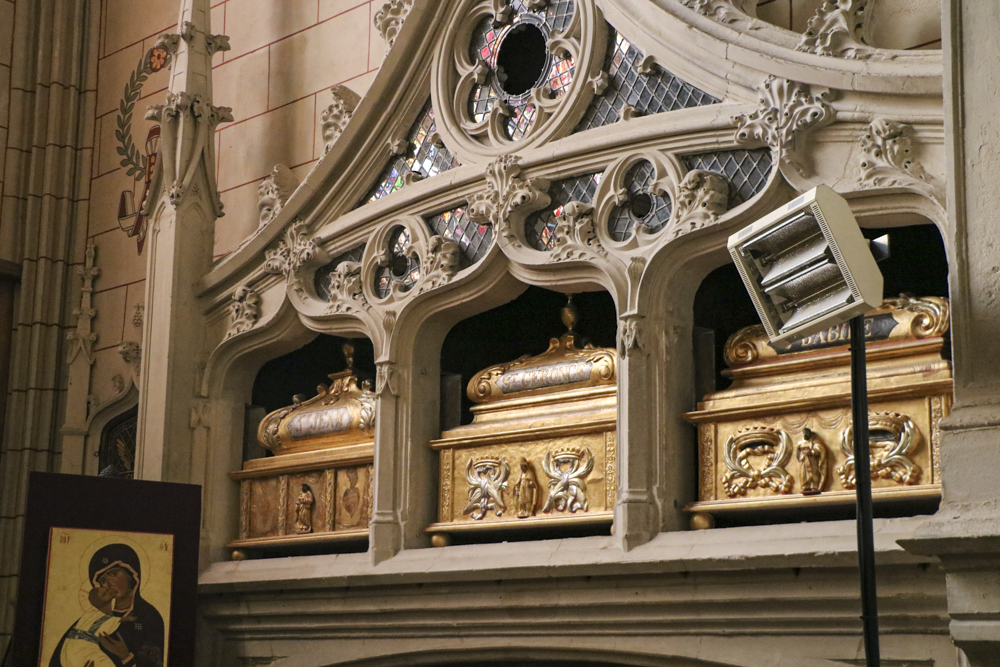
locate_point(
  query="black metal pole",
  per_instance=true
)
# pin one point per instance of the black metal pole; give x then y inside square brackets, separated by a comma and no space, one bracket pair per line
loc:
[863,487]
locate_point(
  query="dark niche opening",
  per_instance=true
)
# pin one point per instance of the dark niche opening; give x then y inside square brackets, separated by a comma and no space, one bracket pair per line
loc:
[521,59]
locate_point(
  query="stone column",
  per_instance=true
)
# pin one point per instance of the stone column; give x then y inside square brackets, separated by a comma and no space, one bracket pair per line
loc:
[43,226]
[965,533]
[183,205]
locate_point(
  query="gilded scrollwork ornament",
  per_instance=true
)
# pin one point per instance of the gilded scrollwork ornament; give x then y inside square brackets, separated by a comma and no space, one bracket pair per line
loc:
[931,315]
[892,437]
[567,469]
[756,458]
[788,111]
[838,29]
[888,160]
[487,477]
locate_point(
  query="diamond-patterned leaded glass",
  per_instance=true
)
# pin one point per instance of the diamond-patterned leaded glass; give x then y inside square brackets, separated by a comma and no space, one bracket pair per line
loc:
[642,207]
[422,157]
[483,47]
[539,228]
[402,268]
[746,170]
[558,14]
[648,94]
[321,280]
[472,239]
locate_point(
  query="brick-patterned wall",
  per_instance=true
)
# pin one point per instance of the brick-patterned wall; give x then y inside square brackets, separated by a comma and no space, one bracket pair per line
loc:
[286,55]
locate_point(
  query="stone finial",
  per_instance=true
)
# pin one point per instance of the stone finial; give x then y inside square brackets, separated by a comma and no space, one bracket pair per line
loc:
[274,191]
[389,19]
[336,116]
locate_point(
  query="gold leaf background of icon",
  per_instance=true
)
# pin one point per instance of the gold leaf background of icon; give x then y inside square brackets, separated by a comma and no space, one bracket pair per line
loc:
[67,579]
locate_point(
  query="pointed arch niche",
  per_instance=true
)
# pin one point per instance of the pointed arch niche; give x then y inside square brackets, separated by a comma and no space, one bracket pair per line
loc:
[306,481]
[782,442]
[506,402]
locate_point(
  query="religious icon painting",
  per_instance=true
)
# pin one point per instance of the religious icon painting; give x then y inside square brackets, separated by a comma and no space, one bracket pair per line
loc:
[106,592]
[108,573]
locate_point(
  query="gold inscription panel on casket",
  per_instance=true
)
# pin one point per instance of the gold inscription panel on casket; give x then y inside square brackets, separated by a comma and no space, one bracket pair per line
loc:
[781,434]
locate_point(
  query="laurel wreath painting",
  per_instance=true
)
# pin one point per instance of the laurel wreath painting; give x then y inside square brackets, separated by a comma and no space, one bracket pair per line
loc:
[154,60]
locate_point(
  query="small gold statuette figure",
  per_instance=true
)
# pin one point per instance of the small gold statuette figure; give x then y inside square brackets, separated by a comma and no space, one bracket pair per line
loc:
[526,491]
[303,511]
[567,470]
[811,454]
[487,479]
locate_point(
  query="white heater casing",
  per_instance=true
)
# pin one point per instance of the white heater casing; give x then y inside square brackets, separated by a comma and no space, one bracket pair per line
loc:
[807,266]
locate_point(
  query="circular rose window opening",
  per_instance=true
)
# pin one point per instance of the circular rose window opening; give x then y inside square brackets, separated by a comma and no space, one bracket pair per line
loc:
[522,59]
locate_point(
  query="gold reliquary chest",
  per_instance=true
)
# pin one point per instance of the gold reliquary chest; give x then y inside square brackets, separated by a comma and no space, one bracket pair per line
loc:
[317,486]
[781,435]
[540,448]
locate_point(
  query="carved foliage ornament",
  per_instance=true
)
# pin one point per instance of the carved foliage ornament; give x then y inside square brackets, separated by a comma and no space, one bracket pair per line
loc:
[837,29]
[347,294]
[788,111]
[296,251]
[244,311]
[274,191]
[702,196]
[389,19]
[887,160]
[892,437]
[336,116]
[724,11]
[755,458]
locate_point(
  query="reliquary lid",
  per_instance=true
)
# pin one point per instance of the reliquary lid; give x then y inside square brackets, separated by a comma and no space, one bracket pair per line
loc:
[562,367]
[340,414]
[900,320]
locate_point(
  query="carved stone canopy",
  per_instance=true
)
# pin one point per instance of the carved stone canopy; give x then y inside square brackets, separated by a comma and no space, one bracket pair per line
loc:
[340,415]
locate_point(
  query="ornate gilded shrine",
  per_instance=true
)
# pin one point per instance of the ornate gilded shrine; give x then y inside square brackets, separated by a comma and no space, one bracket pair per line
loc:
[541,446]
[317,486]
[781,435]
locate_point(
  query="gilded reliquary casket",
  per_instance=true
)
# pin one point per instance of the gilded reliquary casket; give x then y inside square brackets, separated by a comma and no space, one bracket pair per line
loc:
[540,448]
[317,487]
[781,435]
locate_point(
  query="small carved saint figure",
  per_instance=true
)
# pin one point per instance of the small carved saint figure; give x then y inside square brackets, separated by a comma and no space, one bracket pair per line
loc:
[350,500]
[567,470]
[303,511]
[526,491]
[811,454]
[487,479]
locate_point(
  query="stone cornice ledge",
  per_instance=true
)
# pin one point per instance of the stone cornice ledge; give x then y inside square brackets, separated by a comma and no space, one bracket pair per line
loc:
[803,545]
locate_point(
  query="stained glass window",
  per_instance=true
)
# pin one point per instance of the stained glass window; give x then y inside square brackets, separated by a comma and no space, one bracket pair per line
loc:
[421,157]
[473,240]
[648,94]
[116,453]
[539,228]
[485,44]
[642,207]
[402,268]
[746,170]
[322,278]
